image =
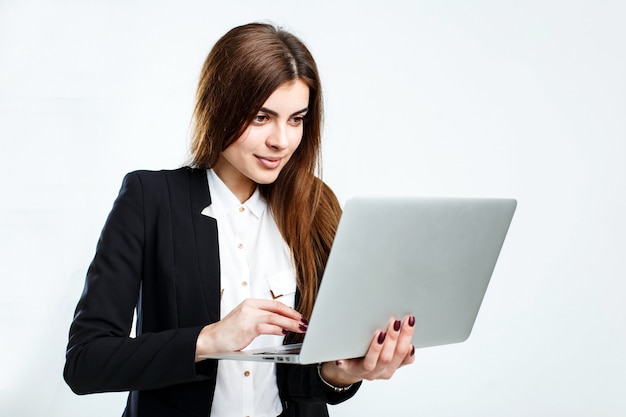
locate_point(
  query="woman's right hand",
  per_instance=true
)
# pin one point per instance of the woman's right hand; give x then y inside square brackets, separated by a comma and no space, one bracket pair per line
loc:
[251,318]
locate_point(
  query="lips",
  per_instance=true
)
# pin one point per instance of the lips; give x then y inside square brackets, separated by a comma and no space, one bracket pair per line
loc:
[269,162]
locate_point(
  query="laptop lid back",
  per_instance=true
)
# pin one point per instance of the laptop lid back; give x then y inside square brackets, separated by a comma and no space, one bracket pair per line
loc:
[430,257]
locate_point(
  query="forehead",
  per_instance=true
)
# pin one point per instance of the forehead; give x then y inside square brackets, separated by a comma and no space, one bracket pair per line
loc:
[290,96]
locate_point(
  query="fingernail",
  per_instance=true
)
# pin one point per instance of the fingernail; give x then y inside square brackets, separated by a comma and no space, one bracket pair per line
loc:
[396,325]
[381,337]
[303,328]
[338,363]
[413,350]
[285,331]
[412,321]
[304,320]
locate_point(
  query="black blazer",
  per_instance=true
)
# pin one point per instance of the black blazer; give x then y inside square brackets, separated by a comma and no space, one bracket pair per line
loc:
[158,253]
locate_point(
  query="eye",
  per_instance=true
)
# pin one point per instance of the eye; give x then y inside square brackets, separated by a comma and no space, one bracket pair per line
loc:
[296,120]
[260,119]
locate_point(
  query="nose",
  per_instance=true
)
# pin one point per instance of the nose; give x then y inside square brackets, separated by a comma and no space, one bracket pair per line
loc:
[278,138]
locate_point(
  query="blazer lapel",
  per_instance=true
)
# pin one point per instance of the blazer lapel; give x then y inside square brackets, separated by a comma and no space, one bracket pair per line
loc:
[207,248]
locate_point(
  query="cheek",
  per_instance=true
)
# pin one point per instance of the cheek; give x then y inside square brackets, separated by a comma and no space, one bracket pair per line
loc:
[241,141]
[296,140]
[242,146]
[296,144]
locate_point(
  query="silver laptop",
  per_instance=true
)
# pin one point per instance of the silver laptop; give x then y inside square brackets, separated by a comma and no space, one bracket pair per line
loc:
[430,257]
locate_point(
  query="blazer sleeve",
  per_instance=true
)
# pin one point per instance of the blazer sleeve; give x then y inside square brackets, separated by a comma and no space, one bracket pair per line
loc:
[101,356]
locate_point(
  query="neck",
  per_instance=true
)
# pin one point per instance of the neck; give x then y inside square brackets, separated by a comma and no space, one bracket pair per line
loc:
[244,194]
[240,185]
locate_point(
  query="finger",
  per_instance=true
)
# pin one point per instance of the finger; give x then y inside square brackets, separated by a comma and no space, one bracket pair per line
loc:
[404,350]
[370,360]
[397,349]
[253,316]
[269,318]
[270,329]
[389,347]
[404,347]
[257,312]
[410,357]
[280,308]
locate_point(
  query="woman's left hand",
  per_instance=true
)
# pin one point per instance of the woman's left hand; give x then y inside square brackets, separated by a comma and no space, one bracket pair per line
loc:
[389,350]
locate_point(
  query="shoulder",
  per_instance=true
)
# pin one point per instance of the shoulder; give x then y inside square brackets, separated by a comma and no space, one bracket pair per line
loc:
[183,173]
[166,178]
[169,184]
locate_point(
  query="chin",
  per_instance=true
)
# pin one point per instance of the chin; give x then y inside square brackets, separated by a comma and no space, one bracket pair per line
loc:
[266,182]
[266,179]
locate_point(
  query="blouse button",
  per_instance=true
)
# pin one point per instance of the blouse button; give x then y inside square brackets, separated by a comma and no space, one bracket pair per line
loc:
[242,209]
[246,373]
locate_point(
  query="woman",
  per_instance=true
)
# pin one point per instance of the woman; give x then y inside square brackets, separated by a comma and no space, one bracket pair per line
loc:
[225,254]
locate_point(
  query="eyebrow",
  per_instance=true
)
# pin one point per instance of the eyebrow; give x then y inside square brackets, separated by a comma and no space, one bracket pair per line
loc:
[273,113]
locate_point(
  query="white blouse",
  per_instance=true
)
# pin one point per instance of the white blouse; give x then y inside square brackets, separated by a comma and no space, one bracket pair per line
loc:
[255,262]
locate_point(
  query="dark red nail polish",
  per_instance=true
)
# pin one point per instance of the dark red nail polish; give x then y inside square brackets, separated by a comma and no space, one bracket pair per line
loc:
[381,337]
[303,327]
[338,363]
[285,331]
[304,320]
[412,321]
[413,350]
[396,325]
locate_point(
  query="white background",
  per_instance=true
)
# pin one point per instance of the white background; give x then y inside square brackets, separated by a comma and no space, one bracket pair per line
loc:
[523,99]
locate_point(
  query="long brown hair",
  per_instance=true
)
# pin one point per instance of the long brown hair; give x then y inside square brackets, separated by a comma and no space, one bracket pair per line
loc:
[242,70]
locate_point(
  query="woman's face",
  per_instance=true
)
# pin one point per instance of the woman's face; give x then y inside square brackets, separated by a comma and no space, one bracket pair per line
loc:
[261,152]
